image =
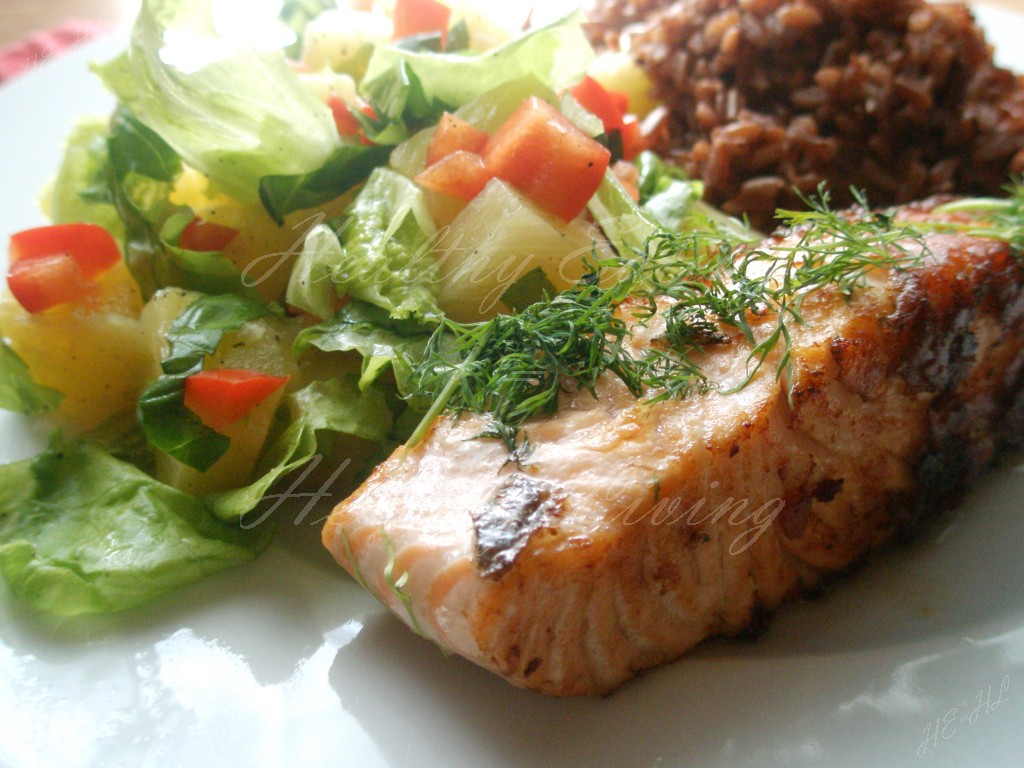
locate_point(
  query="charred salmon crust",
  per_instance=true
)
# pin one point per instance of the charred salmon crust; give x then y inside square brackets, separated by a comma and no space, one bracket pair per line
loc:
[636,530]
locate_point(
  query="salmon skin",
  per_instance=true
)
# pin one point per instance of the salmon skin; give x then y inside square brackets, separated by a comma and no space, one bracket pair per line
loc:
[635,530]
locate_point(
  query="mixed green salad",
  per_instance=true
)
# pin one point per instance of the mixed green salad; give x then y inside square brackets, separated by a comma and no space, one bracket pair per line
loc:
[252,258]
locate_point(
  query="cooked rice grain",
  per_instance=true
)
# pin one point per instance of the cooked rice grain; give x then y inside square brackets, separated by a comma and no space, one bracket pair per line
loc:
[769,98]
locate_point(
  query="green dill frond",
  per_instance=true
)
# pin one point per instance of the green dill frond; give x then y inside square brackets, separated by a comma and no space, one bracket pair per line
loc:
[396,585]
[1001,218]
[701,281]
[516,366]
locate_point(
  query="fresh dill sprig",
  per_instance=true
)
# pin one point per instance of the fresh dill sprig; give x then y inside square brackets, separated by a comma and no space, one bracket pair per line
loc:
[998,218]
[700,283]
[514,366]
[716,281]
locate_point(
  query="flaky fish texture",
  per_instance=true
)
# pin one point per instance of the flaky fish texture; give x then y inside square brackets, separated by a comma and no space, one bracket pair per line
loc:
[634,530]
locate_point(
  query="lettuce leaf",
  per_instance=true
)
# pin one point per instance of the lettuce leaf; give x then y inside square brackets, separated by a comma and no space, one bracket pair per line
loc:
[319,421]
[81,532]
[311,286]
[381,340]
[666,193]
[556,54]
[674,200]
[402,105]
[668,200]
[532,287]
[19,392]
[623,222]
[79,192]
[379,254]
[236,114]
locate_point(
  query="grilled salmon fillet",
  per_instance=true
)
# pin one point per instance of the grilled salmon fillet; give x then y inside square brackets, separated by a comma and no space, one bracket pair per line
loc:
[635,530]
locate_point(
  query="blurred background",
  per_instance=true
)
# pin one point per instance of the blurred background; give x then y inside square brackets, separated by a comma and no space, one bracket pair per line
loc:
[20,18]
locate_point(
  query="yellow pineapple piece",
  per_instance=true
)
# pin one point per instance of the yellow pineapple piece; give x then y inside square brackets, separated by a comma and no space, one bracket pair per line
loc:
[263,251]
[262,345]
[94,352]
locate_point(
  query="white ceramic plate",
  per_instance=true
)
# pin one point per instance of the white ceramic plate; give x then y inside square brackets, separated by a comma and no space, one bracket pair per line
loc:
[916,660]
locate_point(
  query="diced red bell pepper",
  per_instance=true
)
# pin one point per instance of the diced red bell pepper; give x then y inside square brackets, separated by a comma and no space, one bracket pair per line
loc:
[58,264]
[452,135]
[200,235]
[421,17]
[345,120]
[91,247]
[621,101]
[610,106]
[223,396]
[547,158]
[47,281]
[460,174]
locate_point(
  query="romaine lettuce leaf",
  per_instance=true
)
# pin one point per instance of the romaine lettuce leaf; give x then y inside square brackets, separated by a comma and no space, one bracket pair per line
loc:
[674,200]
[557,54]
[79,192]
[379,254]
[235,114]
[369,330]
[19,392]
[81,532]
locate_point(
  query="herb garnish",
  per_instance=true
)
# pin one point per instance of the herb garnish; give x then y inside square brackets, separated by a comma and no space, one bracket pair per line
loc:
[513,367]
[1002,219]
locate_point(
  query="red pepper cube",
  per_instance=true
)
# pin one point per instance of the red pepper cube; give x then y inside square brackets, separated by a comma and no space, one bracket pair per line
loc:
[223,396]
[609,106]
[421,17]
[545,156]
[453,134]
[43,282]
[200,235]
[460,174]
[91,247]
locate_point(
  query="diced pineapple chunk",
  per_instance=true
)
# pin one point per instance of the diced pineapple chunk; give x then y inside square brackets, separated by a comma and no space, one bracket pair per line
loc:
[343,40]
[326,84]
[96,354]
[262,250]
[158,314]
[618,71]
[262,345]
[234,468]
[499,238]
[489,24]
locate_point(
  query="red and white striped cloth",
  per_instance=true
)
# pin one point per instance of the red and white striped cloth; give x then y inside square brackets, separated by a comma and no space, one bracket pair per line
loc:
[20,57]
